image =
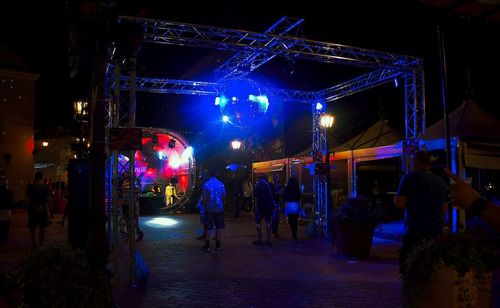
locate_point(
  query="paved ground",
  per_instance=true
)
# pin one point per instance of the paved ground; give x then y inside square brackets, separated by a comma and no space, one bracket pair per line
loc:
[307,273]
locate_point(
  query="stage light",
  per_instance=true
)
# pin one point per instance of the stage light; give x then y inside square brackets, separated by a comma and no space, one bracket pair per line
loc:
[217,101]
[161,222]
[45,144]
[161,155]
[122,157]
[225,119]
[187,154]
[319,106]
[223,101]
[236,144]
[262,100]
[175,161]
[326,121]
[171,143]
[154,139]
[396,84]
[234,99]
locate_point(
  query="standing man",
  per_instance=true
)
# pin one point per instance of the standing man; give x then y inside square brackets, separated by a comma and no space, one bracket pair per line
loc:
[170,193]
[422,195]
[213,199]
[38,217]
[264,207]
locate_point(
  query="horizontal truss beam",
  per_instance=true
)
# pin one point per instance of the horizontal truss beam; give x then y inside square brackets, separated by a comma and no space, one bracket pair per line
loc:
[175,33]
[358,84]
[189,87]
[175,86]
[244,62]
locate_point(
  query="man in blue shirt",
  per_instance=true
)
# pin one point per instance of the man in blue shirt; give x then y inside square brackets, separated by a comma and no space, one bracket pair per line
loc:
[422,195]
[213,200]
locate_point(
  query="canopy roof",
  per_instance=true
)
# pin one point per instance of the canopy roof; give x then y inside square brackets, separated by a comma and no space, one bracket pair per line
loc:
[468,121]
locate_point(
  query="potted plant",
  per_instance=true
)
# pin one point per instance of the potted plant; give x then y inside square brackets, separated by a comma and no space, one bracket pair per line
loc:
[452,270]
[353,226]
[58,276]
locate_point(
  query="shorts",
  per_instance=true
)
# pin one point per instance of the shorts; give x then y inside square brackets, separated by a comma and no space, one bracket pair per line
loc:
[214,220]
[263,215]
[38,219]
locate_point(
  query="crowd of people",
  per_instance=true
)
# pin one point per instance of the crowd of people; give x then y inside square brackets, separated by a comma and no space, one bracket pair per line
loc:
[423,195]
[271,201]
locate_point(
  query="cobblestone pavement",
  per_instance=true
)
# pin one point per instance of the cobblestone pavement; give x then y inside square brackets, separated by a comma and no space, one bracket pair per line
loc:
[307,273]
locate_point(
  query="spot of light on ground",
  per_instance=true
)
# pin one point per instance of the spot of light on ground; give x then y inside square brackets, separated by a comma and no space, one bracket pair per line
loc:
[161,222]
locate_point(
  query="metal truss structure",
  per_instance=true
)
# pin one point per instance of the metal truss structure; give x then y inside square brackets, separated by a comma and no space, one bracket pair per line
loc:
[320,187]
[243,62]
[254,49]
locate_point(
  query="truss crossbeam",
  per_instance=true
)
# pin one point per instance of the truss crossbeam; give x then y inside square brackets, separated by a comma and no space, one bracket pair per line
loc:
[243,62]
[358,84]
[173,33]
[175,86]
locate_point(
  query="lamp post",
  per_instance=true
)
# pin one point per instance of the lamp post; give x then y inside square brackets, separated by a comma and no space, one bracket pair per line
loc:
[325,122]
[80,112]
[236,144]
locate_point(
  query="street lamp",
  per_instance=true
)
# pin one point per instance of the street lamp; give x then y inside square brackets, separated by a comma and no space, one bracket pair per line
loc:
[326,120]
[80,109]
[80,113]
[236,144]
[323,177]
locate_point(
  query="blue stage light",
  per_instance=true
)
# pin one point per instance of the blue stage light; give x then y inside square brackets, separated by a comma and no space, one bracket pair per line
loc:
[263,103]
[225,118]
[319,106]
[217,101]
[396,84]
[223,102]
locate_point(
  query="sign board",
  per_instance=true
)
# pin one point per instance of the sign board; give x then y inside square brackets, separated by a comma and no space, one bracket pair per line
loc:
[125,138]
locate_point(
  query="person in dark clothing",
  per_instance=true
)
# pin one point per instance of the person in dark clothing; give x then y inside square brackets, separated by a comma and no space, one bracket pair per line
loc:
[292,204]
[6,205]
[423,196]
[39,197]
[264,207]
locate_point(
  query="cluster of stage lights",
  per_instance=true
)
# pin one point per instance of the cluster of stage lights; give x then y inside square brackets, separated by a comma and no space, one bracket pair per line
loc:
[326,120]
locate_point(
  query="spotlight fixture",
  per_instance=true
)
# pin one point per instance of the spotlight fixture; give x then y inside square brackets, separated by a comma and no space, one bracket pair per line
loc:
[171,143]
[154,139]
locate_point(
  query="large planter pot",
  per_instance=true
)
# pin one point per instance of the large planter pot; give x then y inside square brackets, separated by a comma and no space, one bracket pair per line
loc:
[451,291]
[354,239]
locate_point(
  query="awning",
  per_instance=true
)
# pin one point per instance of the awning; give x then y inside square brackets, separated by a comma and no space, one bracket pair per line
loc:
[482,155]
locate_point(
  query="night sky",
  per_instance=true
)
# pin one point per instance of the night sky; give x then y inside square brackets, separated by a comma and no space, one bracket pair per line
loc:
[38,33]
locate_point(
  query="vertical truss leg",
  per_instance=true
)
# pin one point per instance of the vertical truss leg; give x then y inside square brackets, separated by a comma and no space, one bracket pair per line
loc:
[132,196]
[114,119]
[414,85]
[320,182]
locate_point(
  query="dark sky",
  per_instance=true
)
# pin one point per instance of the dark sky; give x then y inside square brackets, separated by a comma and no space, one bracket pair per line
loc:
[38,33]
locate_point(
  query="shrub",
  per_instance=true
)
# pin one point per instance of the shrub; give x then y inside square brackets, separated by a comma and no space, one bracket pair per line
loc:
[58,276]
[458,251]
